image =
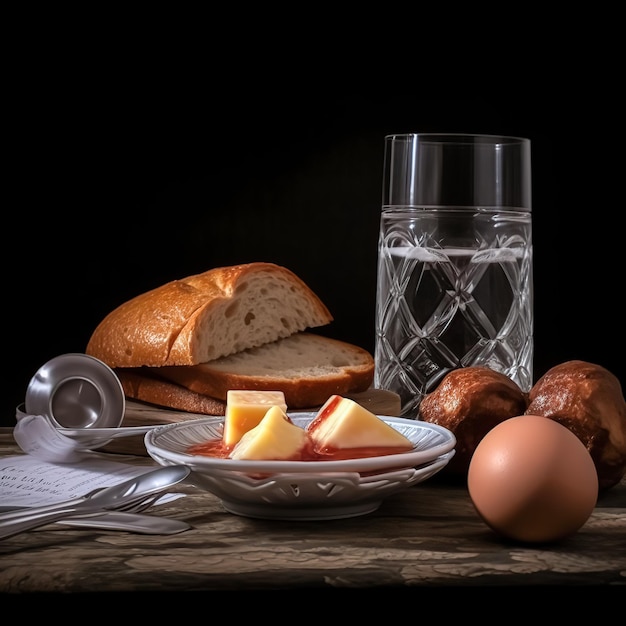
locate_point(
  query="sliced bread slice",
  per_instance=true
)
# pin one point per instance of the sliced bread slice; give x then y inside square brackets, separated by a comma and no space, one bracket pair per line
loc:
[143,384]
[306,367]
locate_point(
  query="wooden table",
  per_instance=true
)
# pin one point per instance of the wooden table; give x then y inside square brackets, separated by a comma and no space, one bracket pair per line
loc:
[428,536]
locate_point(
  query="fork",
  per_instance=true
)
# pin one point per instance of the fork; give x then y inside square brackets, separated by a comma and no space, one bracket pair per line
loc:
[142,505]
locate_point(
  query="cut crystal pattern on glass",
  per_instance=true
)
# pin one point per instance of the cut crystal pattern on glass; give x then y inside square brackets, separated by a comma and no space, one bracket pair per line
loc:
[440,308]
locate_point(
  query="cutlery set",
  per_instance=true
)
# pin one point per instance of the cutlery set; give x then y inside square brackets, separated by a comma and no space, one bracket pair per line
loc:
[116,508]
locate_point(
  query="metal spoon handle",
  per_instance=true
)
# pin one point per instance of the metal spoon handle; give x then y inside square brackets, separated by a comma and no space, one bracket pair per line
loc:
[81,507]
[22,512]
[129,522]
[25,522]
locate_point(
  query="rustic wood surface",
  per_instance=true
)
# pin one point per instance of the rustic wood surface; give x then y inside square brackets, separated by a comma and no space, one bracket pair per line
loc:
[428,536]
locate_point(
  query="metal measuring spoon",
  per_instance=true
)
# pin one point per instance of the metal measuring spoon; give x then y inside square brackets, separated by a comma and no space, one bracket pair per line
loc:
[76,390]
[39,436]
[93,437]
[82,399]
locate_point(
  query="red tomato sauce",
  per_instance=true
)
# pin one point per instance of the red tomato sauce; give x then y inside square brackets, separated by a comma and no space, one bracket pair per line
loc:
[215,448]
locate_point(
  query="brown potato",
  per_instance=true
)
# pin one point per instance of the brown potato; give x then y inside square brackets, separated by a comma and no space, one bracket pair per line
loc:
[469,402]
[587,399]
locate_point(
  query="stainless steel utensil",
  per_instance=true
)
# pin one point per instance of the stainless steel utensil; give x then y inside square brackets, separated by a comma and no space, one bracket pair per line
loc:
[76,391]
[129,519]
[90,438]
[130,522]
[38,436]
[98,501]
[126,518]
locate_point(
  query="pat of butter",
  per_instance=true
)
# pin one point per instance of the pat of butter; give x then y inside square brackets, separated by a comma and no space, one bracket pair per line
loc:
[245,409]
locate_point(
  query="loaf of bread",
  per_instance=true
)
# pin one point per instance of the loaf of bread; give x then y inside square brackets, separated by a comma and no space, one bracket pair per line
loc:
[185,344]
[588,399]
[306,367]
[207,316]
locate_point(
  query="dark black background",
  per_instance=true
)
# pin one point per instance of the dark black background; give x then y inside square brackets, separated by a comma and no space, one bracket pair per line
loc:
[110,194]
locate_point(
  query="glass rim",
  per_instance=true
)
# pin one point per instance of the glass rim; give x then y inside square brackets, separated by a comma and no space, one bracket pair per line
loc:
[457,169]
[460,138]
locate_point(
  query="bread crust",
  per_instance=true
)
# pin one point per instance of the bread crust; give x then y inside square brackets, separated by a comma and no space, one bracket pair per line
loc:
[144,385]
[207,316]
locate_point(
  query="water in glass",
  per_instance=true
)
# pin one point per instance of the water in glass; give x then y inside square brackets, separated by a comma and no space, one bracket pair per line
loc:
[454,290]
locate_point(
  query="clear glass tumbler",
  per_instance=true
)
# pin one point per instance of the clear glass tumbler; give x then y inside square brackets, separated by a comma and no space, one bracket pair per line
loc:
[455,284]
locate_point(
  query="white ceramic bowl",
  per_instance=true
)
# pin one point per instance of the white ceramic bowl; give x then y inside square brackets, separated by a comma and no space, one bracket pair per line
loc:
[304,490]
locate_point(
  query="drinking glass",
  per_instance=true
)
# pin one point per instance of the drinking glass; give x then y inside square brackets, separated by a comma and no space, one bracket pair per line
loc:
[454,281]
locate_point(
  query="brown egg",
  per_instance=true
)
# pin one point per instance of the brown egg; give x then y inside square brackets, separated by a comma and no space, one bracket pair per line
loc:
[532,480]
